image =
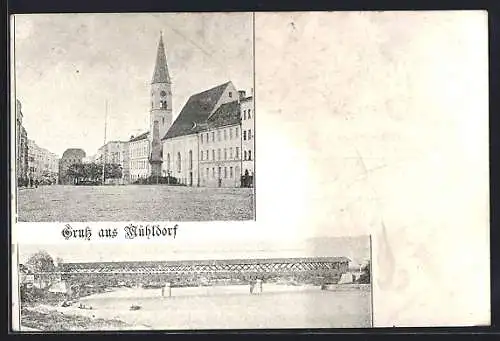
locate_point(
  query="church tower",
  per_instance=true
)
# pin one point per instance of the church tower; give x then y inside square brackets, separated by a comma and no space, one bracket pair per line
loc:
[161,108]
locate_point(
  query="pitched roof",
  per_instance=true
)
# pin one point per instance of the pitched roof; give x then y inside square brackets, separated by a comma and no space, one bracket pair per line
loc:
[160,74]
[226,114]
[140,137]
[195,112]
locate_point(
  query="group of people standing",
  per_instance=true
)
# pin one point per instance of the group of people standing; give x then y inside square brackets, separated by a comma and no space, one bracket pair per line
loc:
[30,183]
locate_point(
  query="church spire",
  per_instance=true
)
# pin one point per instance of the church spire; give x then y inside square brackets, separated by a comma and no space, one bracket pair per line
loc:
[161,70]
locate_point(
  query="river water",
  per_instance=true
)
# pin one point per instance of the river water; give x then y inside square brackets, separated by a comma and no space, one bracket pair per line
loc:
[232,307]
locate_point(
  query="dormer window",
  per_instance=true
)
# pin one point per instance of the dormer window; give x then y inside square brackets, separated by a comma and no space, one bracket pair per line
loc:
[230,94]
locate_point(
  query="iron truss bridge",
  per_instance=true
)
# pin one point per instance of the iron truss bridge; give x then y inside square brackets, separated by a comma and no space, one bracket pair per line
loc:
[191,271]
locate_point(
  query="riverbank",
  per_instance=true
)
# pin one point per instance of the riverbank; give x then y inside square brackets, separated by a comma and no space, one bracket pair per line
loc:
[52,318]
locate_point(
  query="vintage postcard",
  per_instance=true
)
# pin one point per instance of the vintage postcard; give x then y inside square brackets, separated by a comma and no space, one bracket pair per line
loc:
[317,283]
[136,143]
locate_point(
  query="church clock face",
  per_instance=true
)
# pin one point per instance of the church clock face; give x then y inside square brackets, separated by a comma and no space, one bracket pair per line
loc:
[163,94]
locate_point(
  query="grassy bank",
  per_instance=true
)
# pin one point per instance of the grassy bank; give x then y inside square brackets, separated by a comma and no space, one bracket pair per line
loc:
[56,321]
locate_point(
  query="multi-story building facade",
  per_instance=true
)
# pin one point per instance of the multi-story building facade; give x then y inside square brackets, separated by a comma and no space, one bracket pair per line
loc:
[21,148]
[220,148]
[139,148]
[116,152]
[213,113]
[247,139]
[43,165]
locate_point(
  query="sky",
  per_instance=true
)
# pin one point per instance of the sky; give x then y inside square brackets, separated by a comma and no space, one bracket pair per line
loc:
[68,65]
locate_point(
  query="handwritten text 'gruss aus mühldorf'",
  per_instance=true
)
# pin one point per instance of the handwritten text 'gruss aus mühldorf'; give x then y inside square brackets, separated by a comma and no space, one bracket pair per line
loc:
[131,231]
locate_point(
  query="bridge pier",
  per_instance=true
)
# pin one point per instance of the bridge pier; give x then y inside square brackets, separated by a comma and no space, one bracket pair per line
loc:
[256,288]
[166,291]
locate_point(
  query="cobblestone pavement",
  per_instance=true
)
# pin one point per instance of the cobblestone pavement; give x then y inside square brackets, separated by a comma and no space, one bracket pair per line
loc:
[134,203]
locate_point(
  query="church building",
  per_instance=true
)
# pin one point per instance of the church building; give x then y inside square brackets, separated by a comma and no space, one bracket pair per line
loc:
[204,145]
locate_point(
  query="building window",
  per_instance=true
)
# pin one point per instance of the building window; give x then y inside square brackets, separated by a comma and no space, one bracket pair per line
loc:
[237,153]
[231,153]
[245,155]
[206,137]
[190,160]
[206,173]
[201,138]
[249,134]
[213,136]
[244,135]
[201,155]
[237,171]
[213,154]
[207,155]
[231,172]
[163,120]
[220,173]
[218,154]
[225,172]
[213,172]
[244,114]
[230,133]
[225,154]
[249,155]
[179,162]
[225,134]
[218,135]
[230,94]
[249,117]
[236,132]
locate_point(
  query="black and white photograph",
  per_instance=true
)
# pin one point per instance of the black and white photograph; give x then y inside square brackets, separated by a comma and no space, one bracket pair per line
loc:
[361,123]
[145,117]
[317,283]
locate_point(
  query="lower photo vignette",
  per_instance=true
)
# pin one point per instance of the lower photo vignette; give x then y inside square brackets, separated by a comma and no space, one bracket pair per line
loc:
[322,283]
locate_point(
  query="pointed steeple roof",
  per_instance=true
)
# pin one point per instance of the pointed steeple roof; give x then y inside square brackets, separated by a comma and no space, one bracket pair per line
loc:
[161,69]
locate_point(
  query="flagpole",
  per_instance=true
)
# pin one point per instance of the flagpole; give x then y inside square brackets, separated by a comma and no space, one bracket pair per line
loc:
[104,150]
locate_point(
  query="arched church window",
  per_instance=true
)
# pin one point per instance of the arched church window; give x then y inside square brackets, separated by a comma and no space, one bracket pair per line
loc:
[179,162]
[190,160]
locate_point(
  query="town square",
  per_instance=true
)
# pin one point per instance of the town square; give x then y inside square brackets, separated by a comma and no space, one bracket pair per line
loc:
[186,158]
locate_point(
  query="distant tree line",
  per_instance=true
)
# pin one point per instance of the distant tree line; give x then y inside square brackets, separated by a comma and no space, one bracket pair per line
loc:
[365,277]
[82,173]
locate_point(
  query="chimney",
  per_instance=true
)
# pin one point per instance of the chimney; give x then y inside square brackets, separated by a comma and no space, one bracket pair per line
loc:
[242,94]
